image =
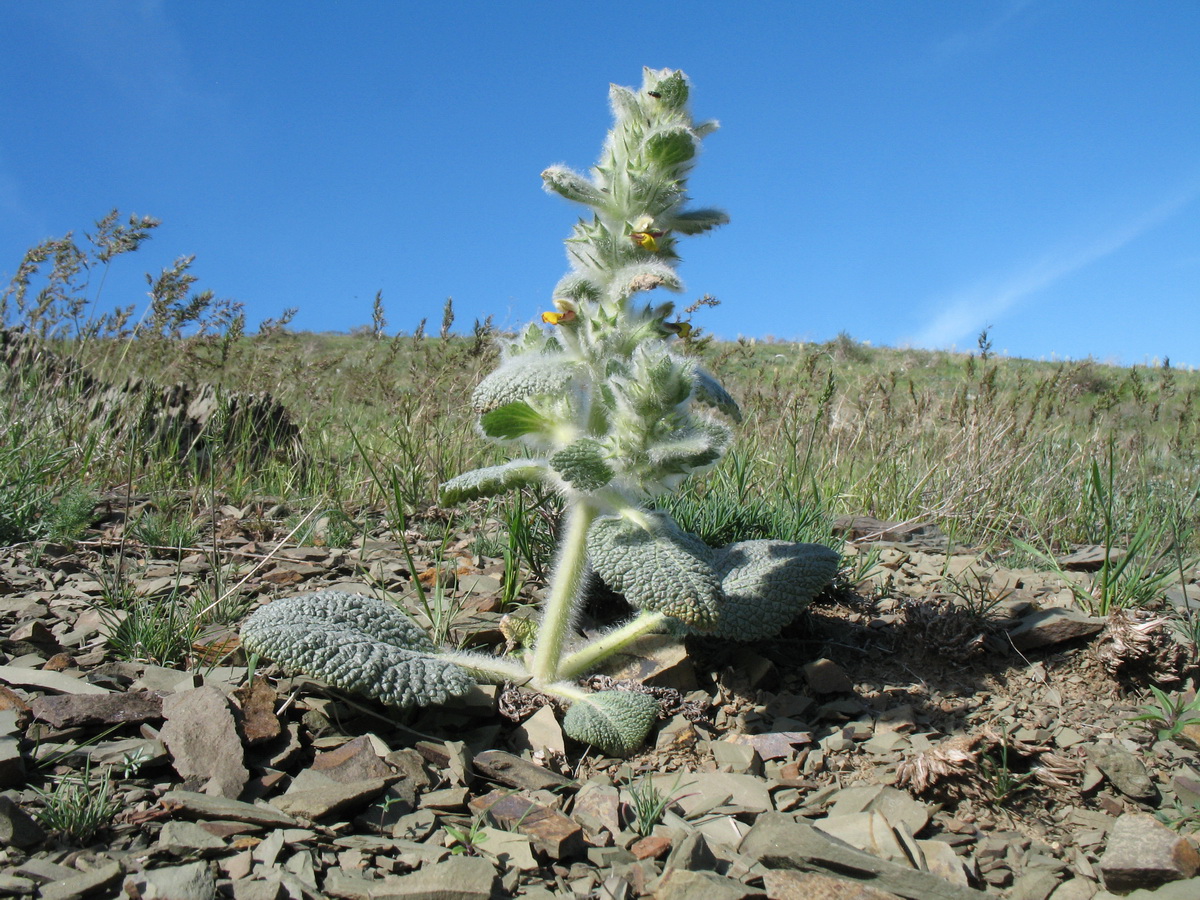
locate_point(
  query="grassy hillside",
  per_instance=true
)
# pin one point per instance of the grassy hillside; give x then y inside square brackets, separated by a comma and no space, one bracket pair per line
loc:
[992,449]
[988,448]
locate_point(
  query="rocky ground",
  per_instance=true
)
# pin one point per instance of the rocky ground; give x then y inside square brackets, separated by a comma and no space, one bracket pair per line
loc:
[944,728]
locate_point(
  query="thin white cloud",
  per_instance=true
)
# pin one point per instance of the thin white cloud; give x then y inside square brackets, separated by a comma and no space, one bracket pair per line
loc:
[984,36]
[966,312]
[135,50]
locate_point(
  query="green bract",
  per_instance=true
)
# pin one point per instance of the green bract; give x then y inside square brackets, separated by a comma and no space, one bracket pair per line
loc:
[606,410]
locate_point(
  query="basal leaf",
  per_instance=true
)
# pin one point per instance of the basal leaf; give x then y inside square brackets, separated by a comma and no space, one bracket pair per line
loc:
[766,583]
[662,569]
[616,722]
[357,643]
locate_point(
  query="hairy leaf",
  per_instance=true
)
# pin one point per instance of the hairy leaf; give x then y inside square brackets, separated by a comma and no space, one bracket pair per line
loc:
[767,583]
[573,186]
[614,721]
[356,643]
[671,146]
[582,465]
[643,276]
[492,480]
[697,221]
[686,449]
[663,569]
[511,421]
[657,383]
[524,376]
[710,392]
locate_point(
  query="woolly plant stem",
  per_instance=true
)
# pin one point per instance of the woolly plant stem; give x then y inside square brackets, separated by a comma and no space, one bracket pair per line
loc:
[588,656]
[565,585]
[488,668]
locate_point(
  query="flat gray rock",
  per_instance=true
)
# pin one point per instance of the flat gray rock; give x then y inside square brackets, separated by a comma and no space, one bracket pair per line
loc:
[457,878]
[895,805]
[17,827]
[681,884]
[780,842]
[1089,559]
[660,660]
[1056,625]
[867,830]
[51,681]
[201,736]
[514,771]
[700,792]
[781,884]
[268,888]
[330,799]
[209,807]
[1176,890]
[1144,853]
[186,838]
[102,880]
[824,676]
[692,854]
[193,881]
[1126,772]
[76,710]
[12,762]
[16,886]
[355,760]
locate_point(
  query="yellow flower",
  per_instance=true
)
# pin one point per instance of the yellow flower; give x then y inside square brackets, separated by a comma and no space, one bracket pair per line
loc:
[645,235]
[647,240]
[683,329]
[558,318]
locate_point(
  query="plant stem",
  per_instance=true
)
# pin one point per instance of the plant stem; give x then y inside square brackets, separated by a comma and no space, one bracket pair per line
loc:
[491,668]
[564,591]
[588,656]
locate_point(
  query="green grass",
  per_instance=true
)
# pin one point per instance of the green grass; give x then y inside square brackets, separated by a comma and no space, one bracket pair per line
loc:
[80,806]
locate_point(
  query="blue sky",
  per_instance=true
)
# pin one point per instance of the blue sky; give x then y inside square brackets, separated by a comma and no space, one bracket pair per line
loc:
[905,172]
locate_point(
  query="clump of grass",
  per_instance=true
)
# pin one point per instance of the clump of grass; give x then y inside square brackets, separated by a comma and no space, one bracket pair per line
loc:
[158,631]
[1169,714]
[649,804]
[331,528]
[164,531]
[975,590]
[724,507]
[1131,576]
[36,503]
[79,806]
[1002,783]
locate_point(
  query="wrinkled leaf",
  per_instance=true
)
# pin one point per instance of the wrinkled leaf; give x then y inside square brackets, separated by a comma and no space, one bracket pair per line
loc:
[356,643]
[491,480]
[616,722]
[519,377]
[663,569]
[766,584]
[582,465]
